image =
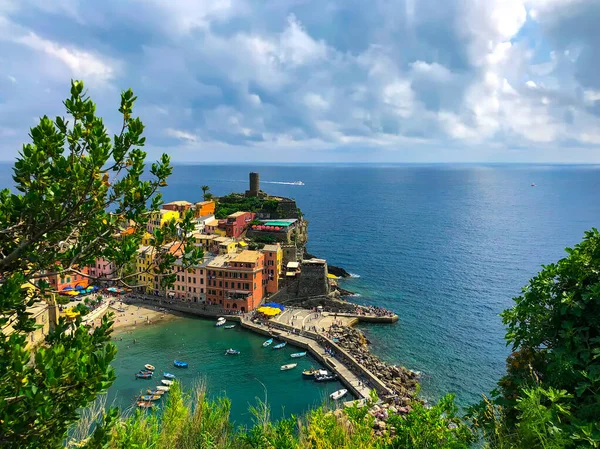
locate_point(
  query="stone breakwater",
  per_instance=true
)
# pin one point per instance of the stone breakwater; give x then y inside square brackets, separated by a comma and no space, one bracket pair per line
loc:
[401,381]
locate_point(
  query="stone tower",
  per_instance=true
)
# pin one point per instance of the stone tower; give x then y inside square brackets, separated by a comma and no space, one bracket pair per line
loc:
[254,185]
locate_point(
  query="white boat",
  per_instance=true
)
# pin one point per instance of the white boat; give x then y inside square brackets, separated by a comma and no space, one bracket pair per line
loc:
[289,366]
[298,354]
[162,388]
[268,342]
[220,322]
[338,394]
[149,367]
[231,326]
[166,382]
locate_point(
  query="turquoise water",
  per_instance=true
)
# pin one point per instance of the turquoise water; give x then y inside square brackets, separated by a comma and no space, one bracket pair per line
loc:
[240,377]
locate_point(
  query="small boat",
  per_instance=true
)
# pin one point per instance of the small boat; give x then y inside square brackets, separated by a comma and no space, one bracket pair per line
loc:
[162,388]
[145,371]
[169,375]
[149,367]
[231,326]
[268,342]
[143,376]
[180,364]
[309,373]
[288,366]
[280,345]
[298,354]
[232,352]
[166,382]
[338,394]
[145,404]
[220,322]
[532,185]
[155,392]
[150,397]
[326,378]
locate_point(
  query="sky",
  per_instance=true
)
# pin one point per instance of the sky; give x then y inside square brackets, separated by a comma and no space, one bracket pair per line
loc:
[316,81]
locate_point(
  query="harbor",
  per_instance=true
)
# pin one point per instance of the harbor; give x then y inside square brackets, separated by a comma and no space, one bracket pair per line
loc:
[312,331]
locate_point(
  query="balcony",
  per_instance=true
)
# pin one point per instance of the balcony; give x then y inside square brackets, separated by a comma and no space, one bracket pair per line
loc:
[237,294]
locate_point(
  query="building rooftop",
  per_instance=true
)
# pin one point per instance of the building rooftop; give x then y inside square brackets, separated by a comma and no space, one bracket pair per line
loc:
[213,223]
[314,262]
[221,240]
[219,261]
[237,214]
[280,223]
[206,218]
[178,203]
[203,203]
[271,248]
[207,260]
[293,265]
[247,256]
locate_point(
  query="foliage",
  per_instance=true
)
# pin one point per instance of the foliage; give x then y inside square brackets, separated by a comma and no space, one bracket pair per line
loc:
[550,395]
[431,428]
[82,309]
[66,181]
[230,204]
[205,190]
[268,239]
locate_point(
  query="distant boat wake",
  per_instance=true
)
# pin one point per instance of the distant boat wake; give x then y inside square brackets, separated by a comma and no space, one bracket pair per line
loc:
[285,183]
[294,183]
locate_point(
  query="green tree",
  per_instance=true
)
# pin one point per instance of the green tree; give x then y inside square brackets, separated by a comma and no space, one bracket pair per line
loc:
[205,190]
[55,222]
[552,385]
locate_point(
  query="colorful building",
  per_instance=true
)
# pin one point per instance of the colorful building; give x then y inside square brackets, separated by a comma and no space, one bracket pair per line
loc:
[179,206]
[273,267]
[204,208]
[69,281]
[224,245]
[190,283]
[235,281]
[200,222]
[159,218]
[103,269]
[143,264]
[212,227]
[237,223]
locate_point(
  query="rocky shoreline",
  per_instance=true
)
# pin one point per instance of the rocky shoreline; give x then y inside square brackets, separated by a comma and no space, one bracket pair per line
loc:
[401,381]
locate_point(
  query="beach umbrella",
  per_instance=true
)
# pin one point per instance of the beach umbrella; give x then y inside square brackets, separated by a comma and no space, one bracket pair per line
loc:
[67,288]
[80,287]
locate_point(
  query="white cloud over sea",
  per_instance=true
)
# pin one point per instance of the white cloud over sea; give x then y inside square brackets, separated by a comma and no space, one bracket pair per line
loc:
[327,80]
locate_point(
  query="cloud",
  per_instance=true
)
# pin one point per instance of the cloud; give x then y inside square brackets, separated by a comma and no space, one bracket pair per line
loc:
[309,80]
[181,135]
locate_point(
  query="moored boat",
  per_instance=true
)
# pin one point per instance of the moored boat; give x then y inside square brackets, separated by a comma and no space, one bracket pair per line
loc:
[149,367]
[145,404]
[169,375]
[220,322]
[162,388]
[298,354]
[329,377]
[143,376]
[232,352]
[309,373]
[155,392]
[280,345]
[180,364]
[268,342]
[288,366]
[150,397]
[338,394]
[166,382]
[231,326]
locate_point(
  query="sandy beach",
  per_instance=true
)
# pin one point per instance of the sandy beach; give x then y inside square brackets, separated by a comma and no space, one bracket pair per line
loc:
[128,317]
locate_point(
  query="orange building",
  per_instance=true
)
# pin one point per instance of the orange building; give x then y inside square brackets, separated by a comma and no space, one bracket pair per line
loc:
[70,280]
[235,281]
[273,263]
[204,208]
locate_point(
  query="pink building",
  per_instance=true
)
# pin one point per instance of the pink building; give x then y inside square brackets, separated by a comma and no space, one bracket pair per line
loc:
[190,283]
[102,268]
[237,223]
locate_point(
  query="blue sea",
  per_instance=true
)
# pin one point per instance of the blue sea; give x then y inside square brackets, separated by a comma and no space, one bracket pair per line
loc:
[447,247]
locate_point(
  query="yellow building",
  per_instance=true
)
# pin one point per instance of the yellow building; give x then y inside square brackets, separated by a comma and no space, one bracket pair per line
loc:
[225,245]
[146,239]
[45,316]
[143,264]
[159,218]
[273,262]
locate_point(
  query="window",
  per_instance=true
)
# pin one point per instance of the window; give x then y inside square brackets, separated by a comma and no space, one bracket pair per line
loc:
[245,275]
[220,284]
[201,280]
[239,285]
[178,277]
[194,289]
[193,280]
[226,284]
[189,279]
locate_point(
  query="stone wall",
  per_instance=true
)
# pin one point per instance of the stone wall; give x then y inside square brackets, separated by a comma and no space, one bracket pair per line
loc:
[313,279]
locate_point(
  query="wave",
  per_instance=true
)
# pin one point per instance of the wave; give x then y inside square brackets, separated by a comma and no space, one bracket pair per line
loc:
[355,276]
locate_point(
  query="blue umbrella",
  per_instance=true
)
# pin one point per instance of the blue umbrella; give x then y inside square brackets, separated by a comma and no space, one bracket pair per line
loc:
[67,288]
